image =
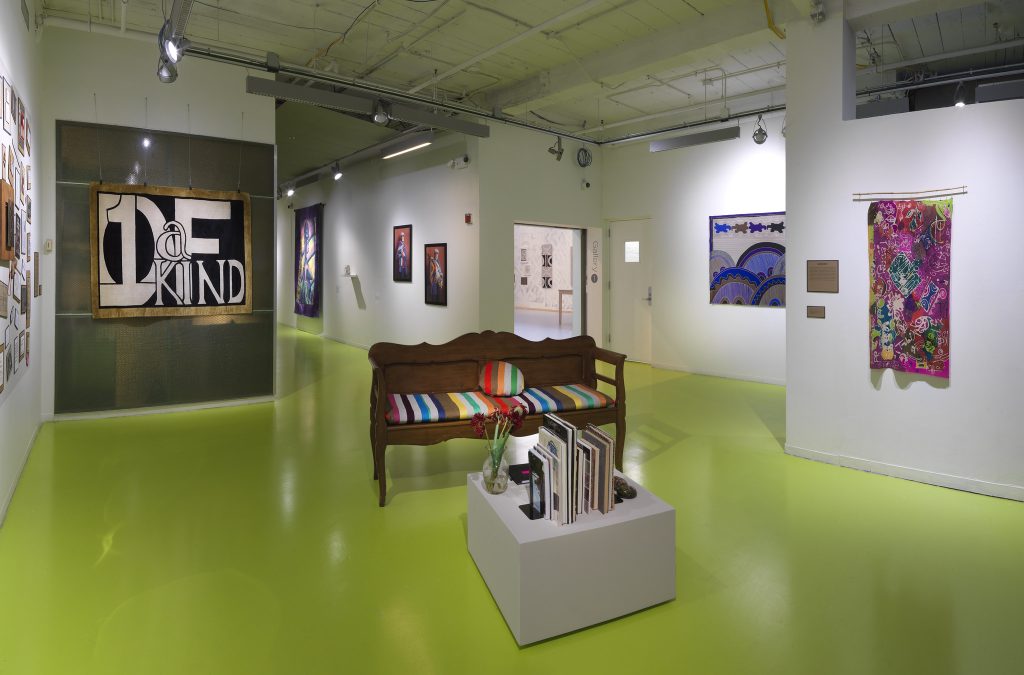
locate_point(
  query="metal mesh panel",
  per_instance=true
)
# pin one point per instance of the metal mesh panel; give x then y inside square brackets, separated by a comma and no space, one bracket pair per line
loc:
[130,363]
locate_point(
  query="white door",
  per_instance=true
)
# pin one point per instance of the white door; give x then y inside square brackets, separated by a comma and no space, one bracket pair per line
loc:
[631,293]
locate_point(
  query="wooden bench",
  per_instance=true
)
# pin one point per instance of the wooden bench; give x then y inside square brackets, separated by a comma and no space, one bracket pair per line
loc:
[400,371]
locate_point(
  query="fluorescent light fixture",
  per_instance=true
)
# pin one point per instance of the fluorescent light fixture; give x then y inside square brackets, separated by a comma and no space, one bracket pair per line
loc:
[700,138]
[413,142]
[402,152]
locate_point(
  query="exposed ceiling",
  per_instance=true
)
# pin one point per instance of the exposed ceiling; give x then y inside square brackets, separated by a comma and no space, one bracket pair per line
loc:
[596,69]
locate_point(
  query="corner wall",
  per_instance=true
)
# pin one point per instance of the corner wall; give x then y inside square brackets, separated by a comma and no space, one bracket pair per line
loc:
[679,190]
[960,433]
[112,80]
[20,409]
[359,213]
[520,182]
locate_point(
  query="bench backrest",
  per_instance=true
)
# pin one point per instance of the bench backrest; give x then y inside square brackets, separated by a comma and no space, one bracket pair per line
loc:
[455,365]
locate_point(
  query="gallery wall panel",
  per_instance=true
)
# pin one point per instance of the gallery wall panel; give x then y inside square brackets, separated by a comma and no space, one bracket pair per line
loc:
[113,364]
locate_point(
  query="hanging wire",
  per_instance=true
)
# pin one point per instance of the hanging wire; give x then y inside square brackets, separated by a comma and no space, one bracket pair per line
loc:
[96,119]
[188,113]
[240,141]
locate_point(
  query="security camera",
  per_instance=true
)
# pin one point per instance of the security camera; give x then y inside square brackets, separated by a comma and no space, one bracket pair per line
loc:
[460,162]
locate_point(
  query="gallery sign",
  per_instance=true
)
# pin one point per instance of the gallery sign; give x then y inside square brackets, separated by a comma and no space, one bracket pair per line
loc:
[159,251]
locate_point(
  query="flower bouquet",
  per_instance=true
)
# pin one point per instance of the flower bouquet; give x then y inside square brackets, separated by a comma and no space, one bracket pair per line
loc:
[495,430]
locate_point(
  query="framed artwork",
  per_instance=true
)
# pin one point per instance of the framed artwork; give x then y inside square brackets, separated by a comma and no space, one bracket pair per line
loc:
[909,264]
[401,243]
[435,272]
[20,117]
[8,107]
[309,232]
[748,259]
[163,251]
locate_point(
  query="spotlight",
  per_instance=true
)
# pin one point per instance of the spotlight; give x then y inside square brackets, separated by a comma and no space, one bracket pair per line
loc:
[959,96]
[290,191]
[145,142]
[337,171]
[172,46]
[166,71]
[760,133]
[380,116]
[556,149]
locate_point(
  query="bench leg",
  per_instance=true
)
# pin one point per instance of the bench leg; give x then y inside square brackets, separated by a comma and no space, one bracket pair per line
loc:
[620,437]
[378,471]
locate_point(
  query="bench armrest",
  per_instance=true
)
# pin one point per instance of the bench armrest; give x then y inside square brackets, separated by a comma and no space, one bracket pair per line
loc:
[619,381]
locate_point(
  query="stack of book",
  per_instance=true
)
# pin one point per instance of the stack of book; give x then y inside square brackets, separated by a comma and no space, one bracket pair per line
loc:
[571,471]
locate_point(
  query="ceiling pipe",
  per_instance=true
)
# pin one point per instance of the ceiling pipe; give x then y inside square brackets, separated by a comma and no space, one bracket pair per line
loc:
[590,4]
[694,106]
[995,46]
[771,22]
[98,28]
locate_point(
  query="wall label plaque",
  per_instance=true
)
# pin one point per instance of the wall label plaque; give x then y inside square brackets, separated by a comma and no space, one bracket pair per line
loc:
[160,251]
[822,276]
[815,311]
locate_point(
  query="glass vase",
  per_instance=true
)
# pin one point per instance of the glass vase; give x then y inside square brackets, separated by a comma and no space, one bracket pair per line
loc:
[495,478]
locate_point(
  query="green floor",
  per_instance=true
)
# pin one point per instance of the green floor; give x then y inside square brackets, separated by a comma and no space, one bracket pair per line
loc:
[248,540]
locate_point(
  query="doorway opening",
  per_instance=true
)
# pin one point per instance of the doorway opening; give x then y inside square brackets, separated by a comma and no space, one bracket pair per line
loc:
[549,290]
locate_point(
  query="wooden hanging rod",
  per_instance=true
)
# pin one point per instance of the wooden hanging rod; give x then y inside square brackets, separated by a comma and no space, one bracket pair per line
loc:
[920,194]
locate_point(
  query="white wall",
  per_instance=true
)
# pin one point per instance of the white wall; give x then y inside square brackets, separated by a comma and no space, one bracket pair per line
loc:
[20,406]
[360,211]
[963,432]
[678,190]
[521,183]
[207,99]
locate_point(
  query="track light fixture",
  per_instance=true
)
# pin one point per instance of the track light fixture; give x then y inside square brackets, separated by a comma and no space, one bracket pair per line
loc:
[165,71]
[959,96]
[760,132]
[336,171]
[557,149]
[172,49]
[290,191]
[380,115]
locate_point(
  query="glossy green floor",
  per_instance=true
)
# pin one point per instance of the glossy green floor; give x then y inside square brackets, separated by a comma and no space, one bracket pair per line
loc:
[248,540]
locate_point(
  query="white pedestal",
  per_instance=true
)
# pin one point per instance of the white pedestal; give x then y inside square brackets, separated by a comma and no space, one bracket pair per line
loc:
[550,579]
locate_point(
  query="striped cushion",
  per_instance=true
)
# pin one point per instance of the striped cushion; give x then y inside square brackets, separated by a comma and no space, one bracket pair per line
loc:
[556,399]
[501,378]
[413,408]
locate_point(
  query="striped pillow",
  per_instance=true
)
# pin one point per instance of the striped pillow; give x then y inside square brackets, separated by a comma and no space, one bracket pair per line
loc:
[501,378]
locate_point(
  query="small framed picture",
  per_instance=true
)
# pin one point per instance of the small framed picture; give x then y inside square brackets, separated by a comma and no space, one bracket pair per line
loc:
[401,245]
[20,116]
[8,109]
[436,274]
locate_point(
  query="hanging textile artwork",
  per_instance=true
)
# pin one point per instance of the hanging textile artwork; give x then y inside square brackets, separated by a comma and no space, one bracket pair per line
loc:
[165,251]
[908,254]
[748,259]
[308,257]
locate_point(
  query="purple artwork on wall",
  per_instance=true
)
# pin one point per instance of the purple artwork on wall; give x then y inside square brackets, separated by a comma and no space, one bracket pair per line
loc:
[308,257]
[909,253]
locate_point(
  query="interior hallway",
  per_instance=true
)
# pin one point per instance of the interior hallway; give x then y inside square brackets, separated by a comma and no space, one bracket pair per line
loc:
[248,540]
